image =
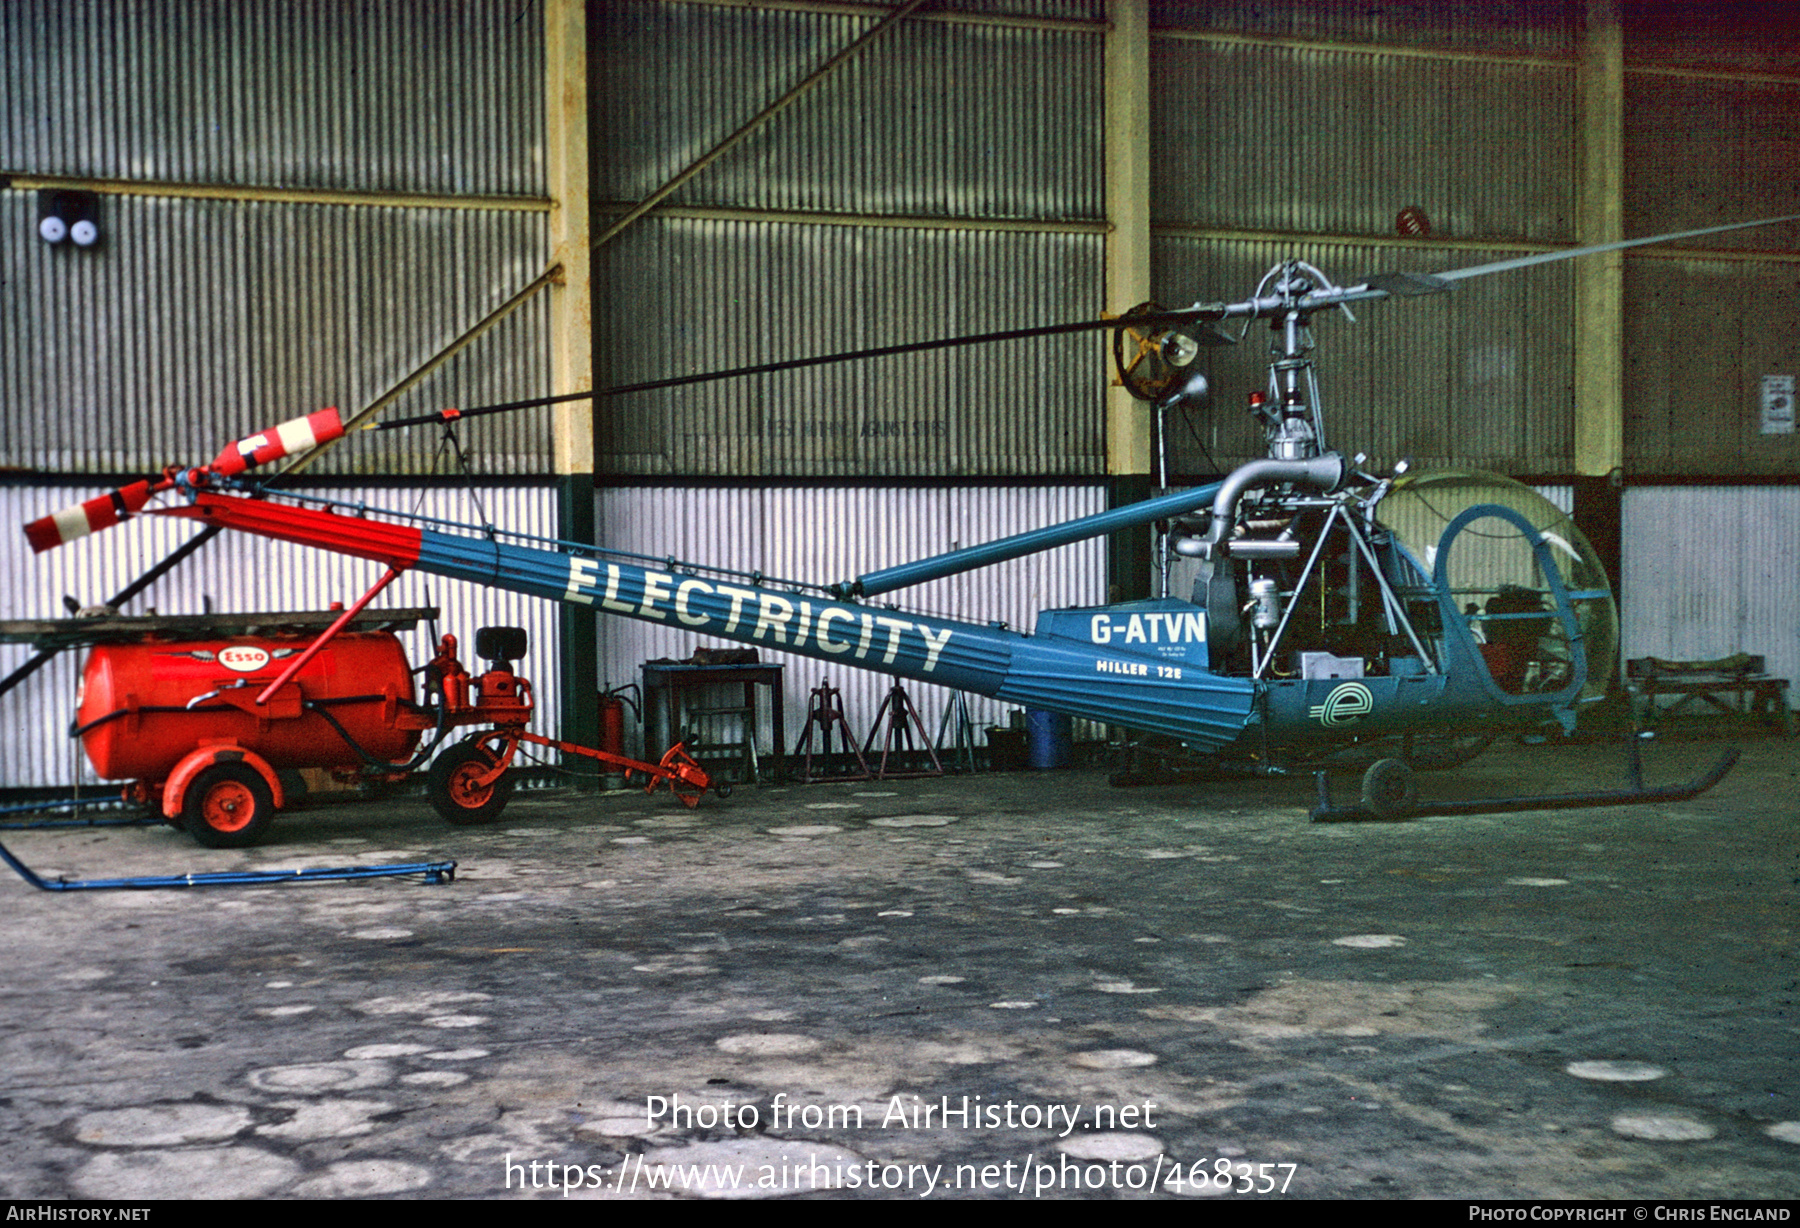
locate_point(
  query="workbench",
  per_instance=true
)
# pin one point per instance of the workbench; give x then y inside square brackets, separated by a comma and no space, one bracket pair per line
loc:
[1741,677]
[669,688]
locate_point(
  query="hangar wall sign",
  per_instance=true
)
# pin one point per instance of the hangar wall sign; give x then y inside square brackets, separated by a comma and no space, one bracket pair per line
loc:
[1778,405]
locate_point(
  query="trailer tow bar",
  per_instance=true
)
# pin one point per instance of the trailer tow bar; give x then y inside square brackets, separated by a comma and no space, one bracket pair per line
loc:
[686,778]
[469,784]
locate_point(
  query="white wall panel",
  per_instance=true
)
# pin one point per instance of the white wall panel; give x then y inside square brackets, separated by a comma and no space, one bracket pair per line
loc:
[1710,571]
[827,534]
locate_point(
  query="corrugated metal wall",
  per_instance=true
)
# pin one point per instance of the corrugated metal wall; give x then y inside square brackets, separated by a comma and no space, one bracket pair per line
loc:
[1005,10]
[994,125]
[1708,571]
[1730,40]
[1701,334]
[1326,120]
[825,534]
[1336,141]
[1478,377]
[1711,571]
[1500,27]
[1743,161]
[687,296]
[939,119]
[197,321]
[436,96]
[1339,141]
[238,572]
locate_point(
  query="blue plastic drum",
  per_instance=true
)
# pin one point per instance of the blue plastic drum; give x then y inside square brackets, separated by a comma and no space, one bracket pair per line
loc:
[1049,739]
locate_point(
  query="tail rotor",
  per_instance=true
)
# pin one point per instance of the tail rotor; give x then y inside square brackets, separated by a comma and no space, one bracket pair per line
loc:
[104,511]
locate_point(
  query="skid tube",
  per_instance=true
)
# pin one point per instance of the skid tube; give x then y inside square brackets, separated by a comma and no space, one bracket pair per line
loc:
[434,872]
[1637,794]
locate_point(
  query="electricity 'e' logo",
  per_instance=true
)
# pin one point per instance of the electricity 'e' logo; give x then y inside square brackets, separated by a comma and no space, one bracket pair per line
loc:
[1348,703]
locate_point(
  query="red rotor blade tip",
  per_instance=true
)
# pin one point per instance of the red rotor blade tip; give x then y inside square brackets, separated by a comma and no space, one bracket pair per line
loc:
[294,435]
[88,516]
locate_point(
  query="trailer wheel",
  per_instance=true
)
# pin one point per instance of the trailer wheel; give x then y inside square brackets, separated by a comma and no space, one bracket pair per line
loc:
[454,789]
[1388,789]
[228,806]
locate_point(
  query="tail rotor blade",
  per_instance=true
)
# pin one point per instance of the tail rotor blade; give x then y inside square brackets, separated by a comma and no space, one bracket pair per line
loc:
[294,435]
[89,516]
[92,515]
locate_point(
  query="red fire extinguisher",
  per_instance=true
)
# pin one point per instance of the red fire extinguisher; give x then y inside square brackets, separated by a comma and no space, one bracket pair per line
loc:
[612,729]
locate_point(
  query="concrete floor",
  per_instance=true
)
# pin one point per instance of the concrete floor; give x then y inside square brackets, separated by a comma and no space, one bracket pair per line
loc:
[1550,1004]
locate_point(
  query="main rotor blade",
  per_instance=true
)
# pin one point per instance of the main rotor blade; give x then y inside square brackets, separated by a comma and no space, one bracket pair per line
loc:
[1520,262]
[1379,286]
[1185,315]
[1405,285]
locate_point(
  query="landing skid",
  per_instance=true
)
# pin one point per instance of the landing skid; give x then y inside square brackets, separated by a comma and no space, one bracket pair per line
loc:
[1149,764]
[1389,793]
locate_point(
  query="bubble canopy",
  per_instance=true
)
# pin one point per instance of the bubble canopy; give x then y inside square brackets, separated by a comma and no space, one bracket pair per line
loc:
[1497,577]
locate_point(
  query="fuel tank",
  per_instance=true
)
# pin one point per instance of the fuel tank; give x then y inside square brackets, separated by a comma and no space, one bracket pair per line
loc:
[135,722]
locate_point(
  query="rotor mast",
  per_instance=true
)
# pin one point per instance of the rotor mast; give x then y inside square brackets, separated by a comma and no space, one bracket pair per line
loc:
[1295,423]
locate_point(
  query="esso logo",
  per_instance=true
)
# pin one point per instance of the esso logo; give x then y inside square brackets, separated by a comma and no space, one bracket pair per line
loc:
[244,658]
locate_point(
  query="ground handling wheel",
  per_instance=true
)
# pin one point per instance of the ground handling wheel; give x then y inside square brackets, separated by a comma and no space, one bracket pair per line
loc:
[228,806]
[1388,790]
[455,789]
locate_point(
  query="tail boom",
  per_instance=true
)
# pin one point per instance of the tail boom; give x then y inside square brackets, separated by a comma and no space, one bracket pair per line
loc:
[1085,680]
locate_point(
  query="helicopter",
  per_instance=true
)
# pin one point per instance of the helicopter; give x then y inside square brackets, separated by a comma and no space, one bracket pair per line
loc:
[1332,606]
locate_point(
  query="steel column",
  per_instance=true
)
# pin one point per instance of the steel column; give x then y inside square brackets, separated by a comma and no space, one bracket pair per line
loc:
[1599,218]
[1128,420]
[572,352]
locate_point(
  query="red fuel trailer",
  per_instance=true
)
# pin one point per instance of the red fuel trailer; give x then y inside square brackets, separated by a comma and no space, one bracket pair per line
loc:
[181,718]
[201,713]
[145,705]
